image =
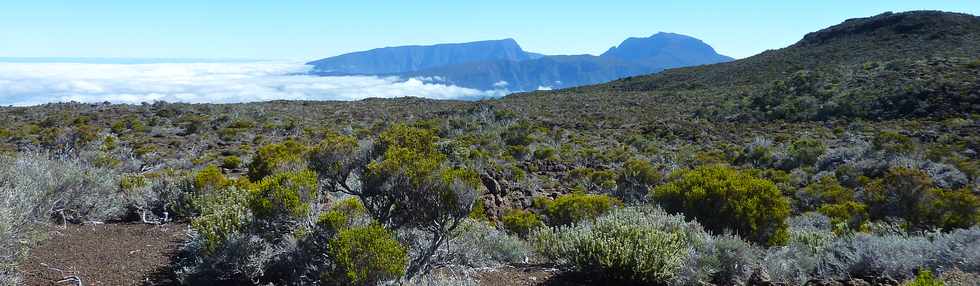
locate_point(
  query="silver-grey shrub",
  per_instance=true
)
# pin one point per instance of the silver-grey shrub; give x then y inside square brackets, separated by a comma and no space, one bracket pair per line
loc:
[722,260]
[34,188]
[816,253]
[477,244]
[632,245]
[239,259]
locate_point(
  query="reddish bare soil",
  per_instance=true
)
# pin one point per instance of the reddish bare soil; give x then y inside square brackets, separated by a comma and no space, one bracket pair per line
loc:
[528,275]
[139,254]
[108,254]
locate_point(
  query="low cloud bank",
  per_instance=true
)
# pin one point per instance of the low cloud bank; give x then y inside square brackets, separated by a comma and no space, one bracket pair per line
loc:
[38,83]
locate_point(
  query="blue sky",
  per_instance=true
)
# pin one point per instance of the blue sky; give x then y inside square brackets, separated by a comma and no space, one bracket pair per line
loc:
[307,30]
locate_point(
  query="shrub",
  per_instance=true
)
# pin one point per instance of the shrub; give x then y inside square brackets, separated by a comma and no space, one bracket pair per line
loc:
[572,208]
[477,244]
[132,182]
[36,188]
[893,142]
[231,162]
[518,134]
[284,196]
[806,151]
[722,198]
[342,215]
[404,136]
[901,193]
[210,178]
[69,188]
[365,256]
[924,278]
[545,153]
[758,153]
[951,209]
[237,260]
[409,184]
[975,64]
[628,245]
[721,260]
[479,211]
[520,222]
[817,253]
[335,158]
[602,181]
[222,212]
[274,158]
[635,179]
[833,200]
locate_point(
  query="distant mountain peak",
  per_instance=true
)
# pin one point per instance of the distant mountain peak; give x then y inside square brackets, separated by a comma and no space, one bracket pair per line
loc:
[490,64]
[895,26]
[664,46]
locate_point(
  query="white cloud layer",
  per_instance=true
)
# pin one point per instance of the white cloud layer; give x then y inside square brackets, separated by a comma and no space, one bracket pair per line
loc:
[37,83]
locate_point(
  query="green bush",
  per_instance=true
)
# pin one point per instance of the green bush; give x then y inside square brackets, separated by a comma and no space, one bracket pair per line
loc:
[572,208]
[342,215]
[365,256]
[210,178]
[635,179]
[632,246]
[479,212]
[838,203]
[900,193]
[924,278]
[404,136]
[407,183]
[893,142]
[520,222]
[975,64]
[806,151]
[910,194]
[334,158]
[545,153]
[231,162]
[273,158]
[603,181]
[950,209]
[132,182]
[723,198]
[284,195]
[519,134]
[222,212]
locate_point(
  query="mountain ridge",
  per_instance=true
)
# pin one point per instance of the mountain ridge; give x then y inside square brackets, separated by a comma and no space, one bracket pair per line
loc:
[399,59]
[890,66]
[514,69]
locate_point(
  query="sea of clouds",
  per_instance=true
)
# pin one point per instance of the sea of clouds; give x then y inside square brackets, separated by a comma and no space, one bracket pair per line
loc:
[34,83]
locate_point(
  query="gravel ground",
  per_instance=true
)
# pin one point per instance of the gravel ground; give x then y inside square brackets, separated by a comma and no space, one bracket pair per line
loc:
[107,254]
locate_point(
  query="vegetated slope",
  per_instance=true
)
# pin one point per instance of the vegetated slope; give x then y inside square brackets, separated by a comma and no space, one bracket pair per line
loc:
[412,58]
[893,65]
[885,37]
[857,185]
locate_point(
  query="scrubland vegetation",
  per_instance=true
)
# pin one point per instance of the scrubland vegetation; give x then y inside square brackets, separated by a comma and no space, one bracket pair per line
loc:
[339,204]
[651,181]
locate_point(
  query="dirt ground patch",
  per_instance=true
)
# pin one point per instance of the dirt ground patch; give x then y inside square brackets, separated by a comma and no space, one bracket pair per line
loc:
[531,275]
[107,254]
[139,254]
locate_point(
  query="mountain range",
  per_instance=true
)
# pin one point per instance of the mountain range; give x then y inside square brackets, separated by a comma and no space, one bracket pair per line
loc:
[503,64]
[889,66]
